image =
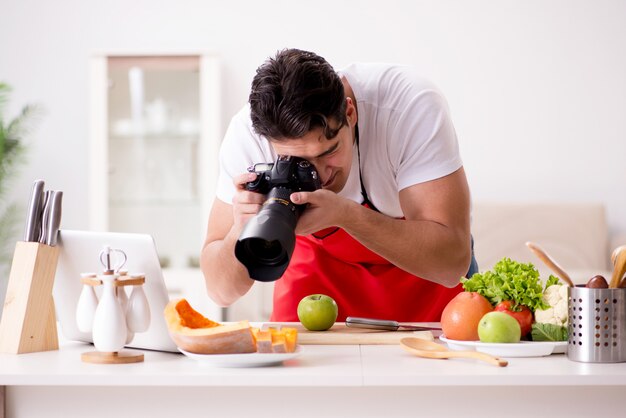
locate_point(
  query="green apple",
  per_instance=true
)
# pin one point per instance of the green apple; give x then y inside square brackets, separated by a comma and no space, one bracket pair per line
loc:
[498,327]
[317,312]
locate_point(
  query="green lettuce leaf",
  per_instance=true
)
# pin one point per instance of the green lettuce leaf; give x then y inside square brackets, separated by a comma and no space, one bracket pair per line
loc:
[548,332]
[510,280]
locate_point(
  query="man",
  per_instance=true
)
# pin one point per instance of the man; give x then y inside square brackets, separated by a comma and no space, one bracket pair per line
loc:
[388,235]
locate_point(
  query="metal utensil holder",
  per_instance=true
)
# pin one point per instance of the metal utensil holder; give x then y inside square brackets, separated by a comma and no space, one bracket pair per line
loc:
[597,325]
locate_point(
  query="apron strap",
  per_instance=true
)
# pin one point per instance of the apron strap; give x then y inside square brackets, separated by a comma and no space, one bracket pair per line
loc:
[366,200]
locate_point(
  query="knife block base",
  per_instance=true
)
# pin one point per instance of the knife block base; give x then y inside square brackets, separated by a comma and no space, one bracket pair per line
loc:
[28,322]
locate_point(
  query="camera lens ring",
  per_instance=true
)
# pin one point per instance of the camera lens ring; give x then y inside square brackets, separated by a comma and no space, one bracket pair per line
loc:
[262,252]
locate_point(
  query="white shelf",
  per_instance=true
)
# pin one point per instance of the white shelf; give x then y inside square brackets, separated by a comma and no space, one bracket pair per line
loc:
[165,136]
[155,130]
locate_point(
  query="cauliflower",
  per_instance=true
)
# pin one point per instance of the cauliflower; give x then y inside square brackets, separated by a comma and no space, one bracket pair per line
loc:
[556,297]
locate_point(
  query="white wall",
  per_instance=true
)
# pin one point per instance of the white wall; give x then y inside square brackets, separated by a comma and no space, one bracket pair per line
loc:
[537,88]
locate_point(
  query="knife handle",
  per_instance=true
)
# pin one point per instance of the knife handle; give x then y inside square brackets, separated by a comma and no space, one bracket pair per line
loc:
[54,217]
[355,322]
[35,207]
[45,210]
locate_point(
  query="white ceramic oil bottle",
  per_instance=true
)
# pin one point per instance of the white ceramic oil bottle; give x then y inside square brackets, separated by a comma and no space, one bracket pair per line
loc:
[109,325]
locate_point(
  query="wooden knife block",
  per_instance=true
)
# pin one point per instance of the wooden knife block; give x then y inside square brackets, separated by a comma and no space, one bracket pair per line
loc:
[28,322]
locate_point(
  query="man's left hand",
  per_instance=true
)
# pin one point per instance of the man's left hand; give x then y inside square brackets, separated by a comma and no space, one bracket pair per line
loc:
[325,209]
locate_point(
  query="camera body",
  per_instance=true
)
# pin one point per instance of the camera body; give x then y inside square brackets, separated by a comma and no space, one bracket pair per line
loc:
[267,241]
[293,173]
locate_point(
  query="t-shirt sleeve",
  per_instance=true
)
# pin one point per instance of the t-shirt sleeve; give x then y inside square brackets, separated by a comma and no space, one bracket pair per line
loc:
[425,145]
[240,149]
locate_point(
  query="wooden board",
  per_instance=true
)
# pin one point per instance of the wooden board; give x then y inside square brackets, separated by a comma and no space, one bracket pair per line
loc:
[120,357]
[339,334]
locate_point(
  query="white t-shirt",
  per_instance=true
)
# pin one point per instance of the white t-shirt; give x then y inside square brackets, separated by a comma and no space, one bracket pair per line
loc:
[406,137]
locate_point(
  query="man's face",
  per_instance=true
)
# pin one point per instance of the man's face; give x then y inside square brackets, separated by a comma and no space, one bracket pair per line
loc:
[331,157]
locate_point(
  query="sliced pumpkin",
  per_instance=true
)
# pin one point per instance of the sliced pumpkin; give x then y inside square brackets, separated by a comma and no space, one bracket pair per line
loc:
[278,341]
[291,338]
[194,333]
[275,340]
[263,341]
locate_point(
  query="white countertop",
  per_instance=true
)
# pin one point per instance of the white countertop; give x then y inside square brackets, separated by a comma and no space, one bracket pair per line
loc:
[318,365]
[342,380]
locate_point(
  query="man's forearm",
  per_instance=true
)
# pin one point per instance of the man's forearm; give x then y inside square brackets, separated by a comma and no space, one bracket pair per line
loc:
[424,248]
[226,278]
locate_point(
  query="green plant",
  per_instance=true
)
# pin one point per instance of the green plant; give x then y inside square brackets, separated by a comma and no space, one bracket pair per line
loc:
[12,154]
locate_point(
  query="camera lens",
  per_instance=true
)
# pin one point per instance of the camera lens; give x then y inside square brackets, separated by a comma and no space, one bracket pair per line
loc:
[268,239]
[265,252]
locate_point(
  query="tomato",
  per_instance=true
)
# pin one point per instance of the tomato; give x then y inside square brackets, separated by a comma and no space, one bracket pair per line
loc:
[524,317]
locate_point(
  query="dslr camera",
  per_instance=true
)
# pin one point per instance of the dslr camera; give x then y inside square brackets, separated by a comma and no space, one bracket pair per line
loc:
[268,239]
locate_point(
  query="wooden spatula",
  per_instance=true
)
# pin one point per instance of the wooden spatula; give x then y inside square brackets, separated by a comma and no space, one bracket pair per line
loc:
[548,261]
[429,349]
[619,267]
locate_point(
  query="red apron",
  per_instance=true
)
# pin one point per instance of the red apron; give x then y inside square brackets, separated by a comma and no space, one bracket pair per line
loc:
[362,283]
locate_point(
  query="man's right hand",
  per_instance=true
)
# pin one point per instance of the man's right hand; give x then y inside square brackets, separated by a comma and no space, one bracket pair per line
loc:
[246,204]
[226,278]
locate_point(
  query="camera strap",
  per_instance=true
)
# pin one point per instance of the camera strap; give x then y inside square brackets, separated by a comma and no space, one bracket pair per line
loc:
[366,200]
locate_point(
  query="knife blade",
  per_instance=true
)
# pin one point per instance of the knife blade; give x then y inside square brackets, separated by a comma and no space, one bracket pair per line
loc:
[381,324]
[35,207]
[54,217]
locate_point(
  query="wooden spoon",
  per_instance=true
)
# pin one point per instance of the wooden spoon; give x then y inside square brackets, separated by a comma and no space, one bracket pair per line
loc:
[548,261]
[617,251]
[619,268]
[429,349]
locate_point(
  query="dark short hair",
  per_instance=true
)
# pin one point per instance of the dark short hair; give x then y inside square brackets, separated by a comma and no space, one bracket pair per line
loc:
[295,92]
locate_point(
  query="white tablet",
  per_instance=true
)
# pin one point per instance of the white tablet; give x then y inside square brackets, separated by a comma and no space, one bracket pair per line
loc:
[80,253]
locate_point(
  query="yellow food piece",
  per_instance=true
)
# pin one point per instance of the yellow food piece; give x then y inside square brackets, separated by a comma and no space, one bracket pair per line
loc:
[279,344]
[291,339]
[263,341]
[275,340]
[194,333]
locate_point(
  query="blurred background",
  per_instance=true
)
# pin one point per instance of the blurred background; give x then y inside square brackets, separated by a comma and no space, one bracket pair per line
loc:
[136,96]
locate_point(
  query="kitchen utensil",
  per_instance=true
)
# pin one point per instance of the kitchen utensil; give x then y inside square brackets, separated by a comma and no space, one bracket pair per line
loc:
[616,251]
[619,268]
[109,322]
[54,217]
[243,360]
[87,305]
[35,205]
[430,349]
[339,334]
[113,324]
[138,310]
[509,350]
[112,259]
[45,211]
[548,261]
[596,327]
[28,322]
[381,324]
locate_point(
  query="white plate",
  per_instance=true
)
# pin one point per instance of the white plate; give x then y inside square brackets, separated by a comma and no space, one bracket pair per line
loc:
[521,349]
[243,360]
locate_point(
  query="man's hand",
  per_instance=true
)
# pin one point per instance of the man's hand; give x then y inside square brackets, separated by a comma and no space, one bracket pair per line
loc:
[226,278]
[433,242]
[246,204]
[325,209]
